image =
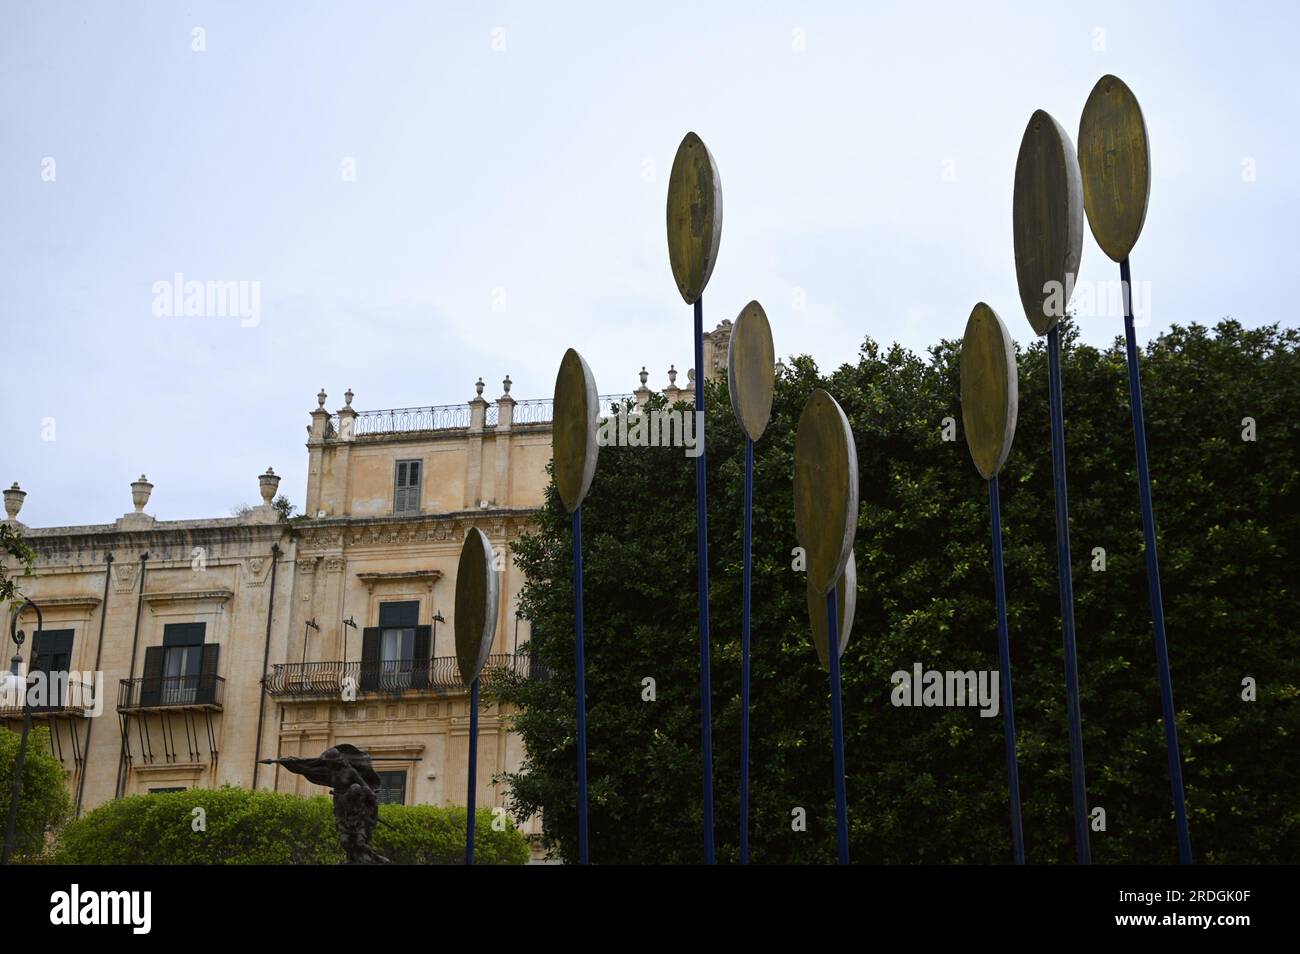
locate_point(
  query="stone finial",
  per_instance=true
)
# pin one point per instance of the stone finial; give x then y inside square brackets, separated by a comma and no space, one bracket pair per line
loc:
[478,387]
[645,375]
[347,397]
[505,384]
[320,398]
[140,491]
[267,484]
[690,377]
[672,375]
[14,500]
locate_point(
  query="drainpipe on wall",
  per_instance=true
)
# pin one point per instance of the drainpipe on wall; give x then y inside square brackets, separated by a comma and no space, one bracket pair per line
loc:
[130,674]
[266,657]
[99,655]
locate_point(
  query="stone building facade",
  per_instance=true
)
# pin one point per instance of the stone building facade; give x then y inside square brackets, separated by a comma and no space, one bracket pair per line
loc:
[225,641]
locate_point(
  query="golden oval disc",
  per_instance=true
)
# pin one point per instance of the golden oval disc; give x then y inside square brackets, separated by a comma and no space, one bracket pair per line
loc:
[751,370]
[573,430]
[825,489]
[1047,221]
[1115,162]
[475,616]
[694,217]
[989,396]
[846,602]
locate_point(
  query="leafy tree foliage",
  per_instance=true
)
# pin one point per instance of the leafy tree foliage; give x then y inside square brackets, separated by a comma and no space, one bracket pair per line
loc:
[929,784]
[13,545]
[43,801]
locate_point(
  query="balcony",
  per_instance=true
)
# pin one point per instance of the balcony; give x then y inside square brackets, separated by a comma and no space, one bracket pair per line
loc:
[171,692]
[61,697]
[448,417]
[439,675]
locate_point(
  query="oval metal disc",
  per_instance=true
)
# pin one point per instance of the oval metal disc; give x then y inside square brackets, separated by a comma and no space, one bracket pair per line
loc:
[846,602]
[825,489]
[1047,221]
[476,605]
[1115,161]
[989,396]
[573,430]
[751,370]
[694,217]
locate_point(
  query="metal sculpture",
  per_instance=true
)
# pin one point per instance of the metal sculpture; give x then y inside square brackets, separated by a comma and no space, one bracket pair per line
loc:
[989,402]
[826,521]
[846,604]
[476,626]
[353,782]
[694,231]
[1115,163]
[577,408]
[751,380]
[1047,223]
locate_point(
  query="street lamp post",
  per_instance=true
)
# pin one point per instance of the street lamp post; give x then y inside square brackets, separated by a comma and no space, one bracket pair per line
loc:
[16,679]
[433,640]
[310,625]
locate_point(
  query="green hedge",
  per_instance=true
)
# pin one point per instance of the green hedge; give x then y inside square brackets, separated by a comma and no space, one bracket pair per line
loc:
[267,828]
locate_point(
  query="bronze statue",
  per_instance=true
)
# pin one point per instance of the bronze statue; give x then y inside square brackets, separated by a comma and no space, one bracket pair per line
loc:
[354,785]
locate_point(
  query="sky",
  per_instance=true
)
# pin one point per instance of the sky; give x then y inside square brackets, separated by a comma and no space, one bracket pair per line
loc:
[426,193]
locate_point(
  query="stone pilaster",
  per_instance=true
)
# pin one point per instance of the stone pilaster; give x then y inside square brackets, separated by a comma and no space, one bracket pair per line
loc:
[505,420]
[474,448]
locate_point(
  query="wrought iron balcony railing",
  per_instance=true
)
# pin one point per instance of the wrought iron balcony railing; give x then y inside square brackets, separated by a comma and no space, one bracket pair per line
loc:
[60,697]
[448,417]
[171,692]
[335,678]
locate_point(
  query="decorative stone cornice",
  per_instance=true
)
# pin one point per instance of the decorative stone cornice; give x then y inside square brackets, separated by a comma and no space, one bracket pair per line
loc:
[168,768]
[429,577]
[332,534]
[181,596]
[397,749]
[88,603]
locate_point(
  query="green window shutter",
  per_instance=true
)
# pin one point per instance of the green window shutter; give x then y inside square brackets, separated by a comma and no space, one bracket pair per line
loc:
[151,682]
[400,615]
[52,655]
[392,787]
[420,664]
[370,658]
[406,487]
[208,673]
[184,634]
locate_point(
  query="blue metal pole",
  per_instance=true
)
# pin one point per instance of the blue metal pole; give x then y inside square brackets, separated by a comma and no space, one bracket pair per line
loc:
[1004,660]
[580,660]
[1153,574]
[744,653]
[702,555]
[1067,596]
[473,772]
[837,729]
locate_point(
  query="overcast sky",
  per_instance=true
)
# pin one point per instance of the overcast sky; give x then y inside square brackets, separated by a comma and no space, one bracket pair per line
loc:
[427,193]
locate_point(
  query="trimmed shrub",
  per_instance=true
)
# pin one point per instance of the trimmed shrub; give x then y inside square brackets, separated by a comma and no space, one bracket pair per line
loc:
[233,826]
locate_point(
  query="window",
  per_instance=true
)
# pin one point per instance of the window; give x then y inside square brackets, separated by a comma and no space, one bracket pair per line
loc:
[406,491]
[395,654]
[183,670]
[397,641]
[392,787]
[182,660]
[52,655]
[164,791]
